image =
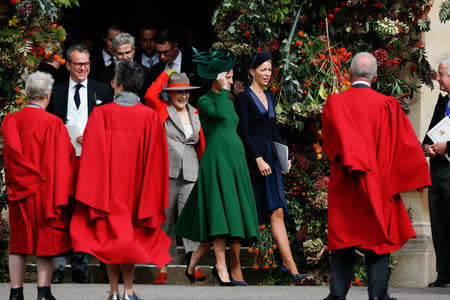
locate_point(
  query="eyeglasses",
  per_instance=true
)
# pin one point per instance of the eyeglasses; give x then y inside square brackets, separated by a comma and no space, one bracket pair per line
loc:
[81,64]
[165,52]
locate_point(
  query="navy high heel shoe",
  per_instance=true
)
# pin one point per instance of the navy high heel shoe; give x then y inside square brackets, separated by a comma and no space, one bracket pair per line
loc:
[221,283]
[236,282]
[295,277]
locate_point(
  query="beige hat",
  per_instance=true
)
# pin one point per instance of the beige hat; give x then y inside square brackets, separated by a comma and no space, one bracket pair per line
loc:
[179,82]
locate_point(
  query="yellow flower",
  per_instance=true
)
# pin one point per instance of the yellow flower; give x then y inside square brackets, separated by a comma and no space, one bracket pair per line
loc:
[14,21]
[319,156]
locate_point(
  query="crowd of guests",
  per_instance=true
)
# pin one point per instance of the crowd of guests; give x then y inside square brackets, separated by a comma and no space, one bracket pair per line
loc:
[155,147]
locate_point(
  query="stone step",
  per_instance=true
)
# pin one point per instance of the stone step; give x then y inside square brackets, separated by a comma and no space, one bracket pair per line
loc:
[209,259]
[145,274]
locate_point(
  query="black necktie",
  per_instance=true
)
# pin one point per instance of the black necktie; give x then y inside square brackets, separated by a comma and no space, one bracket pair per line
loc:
[113,63]
[76,97]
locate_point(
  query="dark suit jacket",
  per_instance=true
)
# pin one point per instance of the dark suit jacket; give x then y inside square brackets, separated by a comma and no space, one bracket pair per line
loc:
[96,91]
[99,71]
[438,115]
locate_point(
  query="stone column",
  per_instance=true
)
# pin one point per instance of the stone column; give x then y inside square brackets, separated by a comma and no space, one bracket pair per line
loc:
[416,260]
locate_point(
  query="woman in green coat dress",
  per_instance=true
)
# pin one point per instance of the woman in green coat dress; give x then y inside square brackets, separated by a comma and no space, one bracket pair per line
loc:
[221,205]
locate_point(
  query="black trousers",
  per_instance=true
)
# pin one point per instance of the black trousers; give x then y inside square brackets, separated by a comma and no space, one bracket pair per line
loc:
[377,269]
[439,204]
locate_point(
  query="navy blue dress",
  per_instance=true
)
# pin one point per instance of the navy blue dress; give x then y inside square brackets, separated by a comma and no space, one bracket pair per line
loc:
[258,130]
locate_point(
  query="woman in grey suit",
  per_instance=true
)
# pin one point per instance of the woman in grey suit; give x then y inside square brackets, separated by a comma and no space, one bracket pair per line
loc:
[186,144]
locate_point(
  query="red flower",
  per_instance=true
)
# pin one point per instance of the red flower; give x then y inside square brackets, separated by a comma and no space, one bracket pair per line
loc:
[247,33]
[342,4]
[336,9]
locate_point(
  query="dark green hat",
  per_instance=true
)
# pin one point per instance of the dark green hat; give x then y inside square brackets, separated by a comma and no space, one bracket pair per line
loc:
[213,62]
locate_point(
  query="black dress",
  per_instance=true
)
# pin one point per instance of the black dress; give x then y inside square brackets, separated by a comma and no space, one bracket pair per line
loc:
[258,130]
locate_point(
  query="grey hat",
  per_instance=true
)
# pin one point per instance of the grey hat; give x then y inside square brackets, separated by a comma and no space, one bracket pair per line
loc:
[179,82]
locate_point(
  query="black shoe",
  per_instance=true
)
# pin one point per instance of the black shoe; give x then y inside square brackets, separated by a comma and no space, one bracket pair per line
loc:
[330,297]
[439,283]
[58,277]
[190,277]
[221,283]
[44,293]
[79,276]
[387,297]
[16,294]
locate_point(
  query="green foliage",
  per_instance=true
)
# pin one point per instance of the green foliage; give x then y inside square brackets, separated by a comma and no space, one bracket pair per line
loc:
[444,13]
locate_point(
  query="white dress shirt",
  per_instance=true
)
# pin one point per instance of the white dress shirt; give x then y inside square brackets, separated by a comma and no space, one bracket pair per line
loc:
[107,58]
[149,62]
[361,82]
[176,64]
[78,116]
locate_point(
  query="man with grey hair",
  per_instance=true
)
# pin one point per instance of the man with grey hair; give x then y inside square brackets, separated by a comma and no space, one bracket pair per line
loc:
[365,136]
[439,192]
[72,100]
[39,164]
[123,46]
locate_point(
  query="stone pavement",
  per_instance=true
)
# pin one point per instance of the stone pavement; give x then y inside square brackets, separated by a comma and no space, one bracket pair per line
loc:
[69,291]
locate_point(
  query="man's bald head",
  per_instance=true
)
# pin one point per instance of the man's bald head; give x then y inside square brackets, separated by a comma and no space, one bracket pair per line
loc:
[363,66]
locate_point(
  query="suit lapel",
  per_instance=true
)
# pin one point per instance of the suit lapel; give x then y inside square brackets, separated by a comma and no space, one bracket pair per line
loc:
[65,100]
[91,95]
[195,121]
[174,117]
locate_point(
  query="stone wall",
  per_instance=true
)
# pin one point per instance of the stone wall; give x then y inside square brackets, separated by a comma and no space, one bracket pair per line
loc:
[416,260]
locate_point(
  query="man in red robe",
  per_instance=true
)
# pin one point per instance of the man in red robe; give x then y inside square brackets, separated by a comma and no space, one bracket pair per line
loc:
[39,163]
[374,156]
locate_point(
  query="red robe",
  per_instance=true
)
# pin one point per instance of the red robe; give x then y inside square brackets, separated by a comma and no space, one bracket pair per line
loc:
[122,187]
[39,163]
[374,155]
[153,101]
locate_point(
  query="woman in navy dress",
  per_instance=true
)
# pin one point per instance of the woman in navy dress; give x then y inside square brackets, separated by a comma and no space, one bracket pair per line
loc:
[258,131]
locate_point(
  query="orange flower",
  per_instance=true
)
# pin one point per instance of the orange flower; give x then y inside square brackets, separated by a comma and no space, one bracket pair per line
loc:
[274,265]
[56,56]
[17,101]
[300,33]
[357,280]
[62,61]
[269,261]
[265,267]
[256,251]
[318,150]
[274,246]
[319,156]
[255,267]
[309,43]
[250,250]
[270,251]
[243,11]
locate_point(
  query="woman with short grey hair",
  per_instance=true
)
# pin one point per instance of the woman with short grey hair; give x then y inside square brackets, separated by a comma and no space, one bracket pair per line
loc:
[39,162]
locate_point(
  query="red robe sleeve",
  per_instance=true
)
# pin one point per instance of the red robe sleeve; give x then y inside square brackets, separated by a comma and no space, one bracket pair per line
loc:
[93,179]
[58,165]
[22,177]
[155,186]
[342,138]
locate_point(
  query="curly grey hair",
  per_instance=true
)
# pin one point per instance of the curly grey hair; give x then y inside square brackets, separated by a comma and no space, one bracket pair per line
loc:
[122,39]
[38,85]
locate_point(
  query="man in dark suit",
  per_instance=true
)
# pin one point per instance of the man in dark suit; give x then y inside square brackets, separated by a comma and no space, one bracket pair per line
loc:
[103,63]
[439,192]
[146,53]
[374,156]
[168,48]
[73,100]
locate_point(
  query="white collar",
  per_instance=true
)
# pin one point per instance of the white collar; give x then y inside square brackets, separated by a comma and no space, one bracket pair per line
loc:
[73,83]
[107,58]
[361,82]
[177,60]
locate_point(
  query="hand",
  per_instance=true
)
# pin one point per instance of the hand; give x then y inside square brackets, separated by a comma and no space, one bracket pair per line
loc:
[171,71]
[440,148]
[289,167]
[263,167]
[429,150]
[221,78]
[79,139]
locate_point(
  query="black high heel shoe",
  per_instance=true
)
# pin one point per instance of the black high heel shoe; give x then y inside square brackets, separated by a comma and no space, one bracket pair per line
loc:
[190,277]
[221,283]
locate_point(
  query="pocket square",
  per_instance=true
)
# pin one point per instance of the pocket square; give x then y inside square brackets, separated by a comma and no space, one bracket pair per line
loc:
[97,102]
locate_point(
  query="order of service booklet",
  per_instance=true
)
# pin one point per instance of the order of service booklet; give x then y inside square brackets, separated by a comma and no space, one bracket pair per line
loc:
[441,132]
[283,156]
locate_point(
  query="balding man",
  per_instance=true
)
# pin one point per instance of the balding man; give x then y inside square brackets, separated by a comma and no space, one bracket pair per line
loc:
[374,156]
[439,192]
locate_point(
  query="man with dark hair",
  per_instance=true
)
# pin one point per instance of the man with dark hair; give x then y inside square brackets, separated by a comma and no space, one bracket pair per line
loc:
[168,49]
[374,156]
[72,100]
[104,62]
[146,54]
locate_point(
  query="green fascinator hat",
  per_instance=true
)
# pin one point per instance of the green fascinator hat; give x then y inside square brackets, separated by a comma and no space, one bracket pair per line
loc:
[213,62]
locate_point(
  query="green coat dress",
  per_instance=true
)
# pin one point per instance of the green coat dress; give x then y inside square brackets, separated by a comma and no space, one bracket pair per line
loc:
[221,202]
